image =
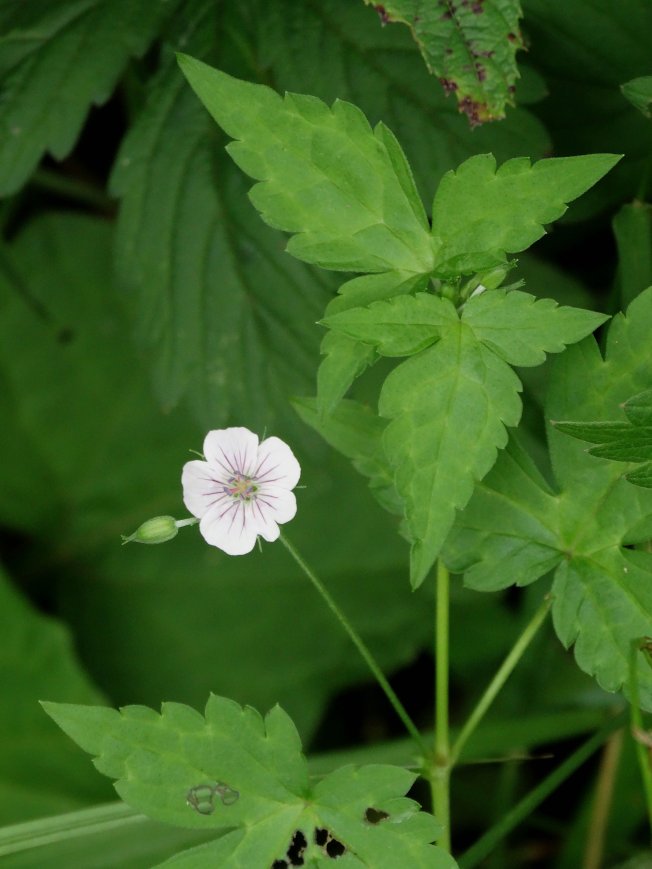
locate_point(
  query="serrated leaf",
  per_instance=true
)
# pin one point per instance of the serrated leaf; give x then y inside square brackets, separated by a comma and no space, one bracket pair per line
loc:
[619,441]
[46,90]
[601,590]
[236,772]
[222,318]
[448,407]
[521,329]
[356,431]
[471,47]
[345,359]
[509,532]
[639,92]
[642,476]
[480,212]
[398,327]
[324,175]
[596,601]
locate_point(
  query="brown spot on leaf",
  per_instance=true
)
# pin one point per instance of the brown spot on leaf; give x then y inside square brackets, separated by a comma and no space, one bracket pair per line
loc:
[448,85]
[383,14]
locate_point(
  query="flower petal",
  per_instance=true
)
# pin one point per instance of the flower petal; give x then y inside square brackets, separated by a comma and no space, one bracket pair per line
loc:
[200,489]
[277,464]
[230,528]
[276,504]
[231,450]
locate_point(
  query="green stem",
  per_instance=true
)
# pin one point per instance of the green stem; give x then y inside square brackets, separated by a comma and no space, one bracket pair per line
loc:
[46,831]
[604,792]
[72,188]
[501,676]
[441,768]
[360,646]
[485,845]
[642,754]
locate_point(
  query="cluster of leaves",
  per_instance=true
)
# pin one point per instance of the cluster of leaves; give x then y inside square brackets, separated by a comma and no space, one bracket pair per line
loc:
[222,322]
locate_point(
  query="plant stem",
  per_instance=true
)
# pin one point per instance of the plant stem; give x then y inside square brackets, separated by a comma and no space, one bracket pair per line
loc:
[46,831]
[604,790]
[501,676]
[441,764]
[485,845]
[642,752]
[72,188]
[360,646]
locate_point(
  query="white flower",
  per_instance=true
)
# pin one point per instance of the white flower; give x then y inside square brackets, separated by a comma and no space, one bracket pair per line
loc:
[242,490]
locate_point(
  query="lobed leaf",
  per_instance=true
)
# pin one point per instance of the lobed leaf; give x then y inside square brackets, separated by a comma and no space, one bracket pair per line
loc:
[234,772]
[601,590]
[401,326]
[345,191]
[46,91]
[448,407]
[471,47]
[521,329]
[480,212]
[345,359]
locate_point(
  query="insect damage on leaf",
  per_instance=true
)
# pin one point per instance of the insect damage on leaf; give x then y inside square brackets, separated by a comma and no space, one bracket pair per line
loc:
[470,45]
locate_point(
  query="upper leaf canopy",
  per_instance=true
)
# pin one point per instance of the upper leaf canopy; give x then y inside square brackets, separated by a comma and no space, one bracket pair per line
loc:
[345,190]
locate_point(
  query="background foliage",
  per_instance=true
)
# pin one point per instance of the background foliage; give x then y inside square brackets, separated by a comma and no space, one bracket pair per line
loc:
[142,301]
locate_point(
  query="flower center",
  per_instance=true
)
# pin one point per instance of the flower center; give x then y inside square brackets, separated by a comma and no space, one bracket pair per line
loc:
[241,488]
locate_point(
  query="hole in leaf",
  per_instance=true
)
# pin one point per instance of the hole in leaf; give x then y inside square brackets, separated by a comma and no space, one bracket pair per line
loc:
[298,845]
[375,816]
[332,847]
[335,849]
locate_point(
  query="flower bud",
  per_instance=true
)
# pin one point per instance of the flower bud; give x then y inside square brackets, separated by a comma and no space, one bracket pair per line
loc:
[160,529]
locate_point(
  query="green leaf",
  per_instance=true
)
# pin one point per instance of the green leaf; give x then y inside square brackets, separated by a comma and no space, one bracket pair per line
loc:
[449,406]
[451,403]
[57,59]
[642,476]
[601,590]
[521,329]
[632,228]
[470,47]
[236,772]
[356,431]
[323,174]
[37,660]
[639,92]
[597,600]
[224,320]
[223,272]
[480,213]
[620,441]
[346,359]
[399,327]
[509,532]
